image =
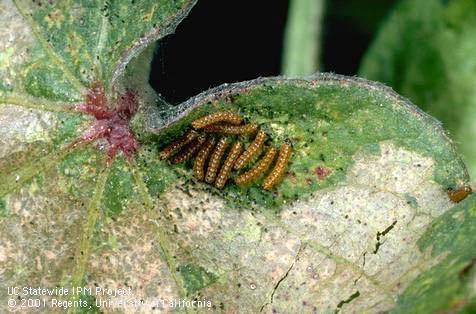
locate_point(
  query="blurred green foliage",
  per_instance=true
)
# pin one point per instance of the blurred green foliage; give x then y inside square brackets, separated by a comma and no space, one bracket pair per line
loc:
[365,16]
[426,51]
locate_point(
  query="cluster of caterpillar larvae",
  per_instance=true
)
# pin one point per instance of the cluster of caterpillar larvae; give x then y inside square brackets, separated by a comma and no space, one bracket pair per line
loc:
[213,166]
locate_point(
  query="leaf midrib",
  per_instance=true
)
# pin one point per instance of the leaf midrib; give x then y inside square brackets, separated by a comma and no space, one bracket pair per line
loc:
[162,236]
[42,104]
[83,251]
[100,42]
[17,178]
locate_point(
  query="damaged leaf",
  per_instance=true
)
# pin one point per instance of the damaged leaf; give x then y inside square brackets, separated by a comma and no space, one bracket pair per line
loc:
[424,52]
[85,200]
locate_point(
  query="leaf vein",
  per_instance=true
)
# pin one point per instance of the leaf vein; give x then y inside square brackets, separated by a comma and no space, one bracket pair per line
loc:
[37,103]
[22,8]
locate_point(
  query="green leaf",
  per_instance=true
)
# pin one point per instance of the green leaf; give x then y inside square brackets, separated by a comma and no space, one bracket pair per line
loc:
[94,40]
[354,235]
[424,52]
[368,176]
[450,283]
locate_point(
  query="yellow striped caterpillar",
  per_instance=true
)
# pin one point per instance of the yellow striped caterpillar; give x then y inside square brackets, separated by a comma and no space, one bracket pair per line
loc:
[276,175]
[215,160]
[261,166]
[225,170]
[245,129]
[220,116]
[199,164]
[177,144]
[251,151]
[200,143]
[189,151]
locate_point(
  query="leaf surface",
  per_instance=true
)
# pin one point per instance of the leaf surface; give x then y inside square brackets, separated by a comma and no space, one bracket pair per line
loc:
[451,283]
[343,231]
[424,52]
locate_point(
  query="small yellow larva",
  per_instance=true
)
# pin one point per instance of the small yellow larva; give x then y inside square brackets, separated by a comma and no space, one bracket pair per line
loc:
[261,166]
[277,173]
[189,151]
[246,129]
[220,116]
[225,170]
[215,158]
[177,144]
[459,194]
[251,151]
[199,163]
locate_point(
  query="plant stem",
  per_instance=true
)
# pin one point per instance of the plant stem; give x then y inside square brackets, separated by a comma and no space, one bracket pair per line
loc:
[302,38]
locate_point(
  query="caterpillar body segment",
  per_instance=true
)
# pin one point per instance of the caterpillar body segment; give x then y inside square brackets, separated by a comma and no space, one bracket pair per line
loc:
[220,116]
[251,151]
[199,163]
[261,166]
[177,144]
[225,170]
[189,151]
[277,174]
[215,159]
[245,129]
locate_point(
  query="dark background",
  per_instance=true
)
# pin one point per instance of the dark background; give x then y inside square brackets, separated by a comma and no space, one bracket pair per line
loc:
[230,41]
